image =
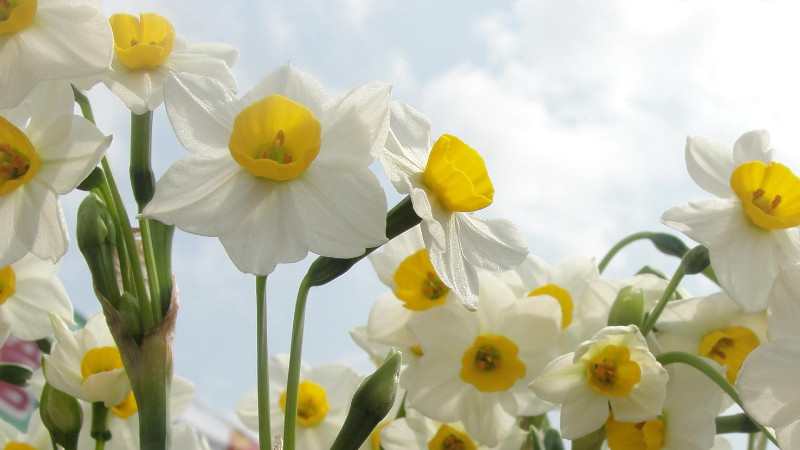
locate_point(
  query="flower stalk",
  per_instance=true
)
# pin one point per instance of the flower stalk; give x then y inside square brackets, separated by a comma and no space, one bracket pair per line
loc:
[264,430]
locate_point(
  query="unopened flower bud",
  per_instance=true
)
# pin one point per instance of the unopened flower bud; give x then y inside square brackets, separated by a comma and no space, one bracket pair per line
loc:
[97,241]
[669,244]
[628,308]
[129,311]
[62,416]
[371,402]
[696,260]
[15,374]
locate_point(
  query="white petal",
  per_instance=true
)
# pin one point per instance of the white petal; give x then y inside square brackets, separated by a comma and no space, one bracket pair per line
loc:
[219,50]
[710,165]
[293,84]
[752,146]
[37,224]
[492,244]
[200,111]
[789,436]
[355,125]
[36,295]
[561,379]
[411,129]
[709,221]
[140,90]
[387,322]
[488,417]
[583,416]
[768,394]
[784,309]
[202,64]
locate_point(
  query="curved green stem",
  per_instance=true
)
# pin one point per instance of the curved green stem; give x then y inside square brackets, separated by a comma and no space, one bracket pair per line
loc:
[619,246]
[673,284]
[295,355]
[699,364]
[264,430]
[83,102]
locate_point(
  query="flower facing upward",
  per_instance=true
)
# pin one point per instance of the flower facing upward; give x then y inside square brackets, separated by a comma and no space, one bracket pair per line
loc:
[278,173]
[614,367]
[45,151]
[751,230]
[448,181]
[146,50]
[49,40]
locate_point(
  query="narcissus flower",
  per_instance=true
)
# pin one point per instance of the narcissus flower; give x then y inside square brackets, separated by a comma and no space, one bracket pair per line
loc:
[147,49]
[45,151]
[615,367]
[448,181]
[766,383]
[36,437]
[29,292]
[475,366]
[278,173]
[323,400]
[751,229]
[86,364]
[417,431]
[50,40]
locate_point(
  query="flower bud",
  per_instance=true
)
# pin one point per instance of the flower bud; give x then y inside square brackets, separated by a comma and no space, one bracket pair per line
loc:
[669,244]
[97,241]
[628,308]
[62,416]
[696,260]
[129,311]
[92,180]
[371,402]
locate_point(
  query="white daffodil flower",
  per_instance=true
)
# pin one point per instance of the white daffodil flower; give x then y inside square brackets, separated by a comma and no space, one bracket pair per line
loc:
[751,229]
[615,367]
[715,327]
[323,401]
[36,437]
[29,292]
[45,151]
[86,364]
[765,383]
[475,366]
[147,50]
[447,181]
[417,431]
[278,173]
[50,40]
[687,420]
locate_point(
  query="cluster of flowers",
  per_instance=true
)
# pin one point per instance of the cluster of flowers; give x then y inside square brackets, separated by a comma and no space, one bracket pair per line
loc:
[492,338]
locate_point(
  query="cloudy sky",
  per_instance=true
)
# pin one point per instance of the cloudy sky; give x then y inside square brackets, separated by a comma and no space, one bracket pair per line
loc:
[580,108]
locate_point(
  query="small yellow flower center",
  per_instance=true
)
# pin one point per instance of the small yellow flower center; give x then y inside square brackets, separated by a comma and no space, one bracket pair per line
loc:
[312,403]
[18,446]
[99,360]
[729,347]
[770,194]
[448,438]
[418,286]
[612,373]
[275,138]
[143,43]
[562,296]
[16,15]
[7,283]
[491,363]
[457,175]
[417,350]
[126,407]
[375,436]
[648,435]
[19,161]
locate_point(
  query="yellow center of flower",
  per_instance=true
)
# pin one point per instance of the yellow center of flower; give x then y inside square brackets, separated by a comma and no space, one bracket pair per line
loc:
[648,435]
[16,15]
[7,281]
[612,373]
[491,363]
[312,403]
[563,298]
[417,350]
[19,161]
[375,436]
[457,175]
[448,438]
[770,194]
[729,347]
[275,138]
[99,360]
[126,407]
[143,43]
[418,286]
[18,446]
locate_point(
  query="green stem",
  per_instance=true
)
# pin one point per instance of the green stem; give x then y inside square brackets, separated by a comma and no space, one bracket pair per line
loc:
[673,284]
[736,423]
[83,102]
[699,364]
[104,191]
[143,181]
[99,430]
[264,430]
[293,381]
[619,246]
[131,249]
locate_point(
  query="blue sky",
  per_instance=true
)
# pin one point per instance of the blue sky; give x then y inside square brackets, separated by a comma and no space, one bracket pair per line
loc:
[580,108]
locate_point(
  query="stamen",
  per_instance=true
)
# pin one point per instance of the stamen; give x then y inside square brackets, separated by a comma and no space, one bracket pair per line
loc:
[605,372]
[487,359]
[452,442]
